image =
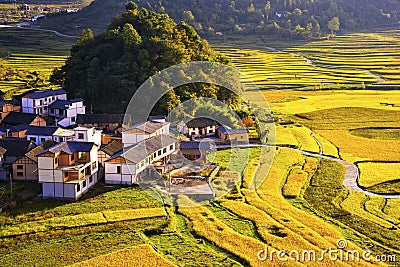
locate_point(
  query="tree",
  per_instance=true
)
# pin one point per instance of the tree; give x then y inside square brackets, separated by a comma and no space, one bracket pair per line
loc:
[267,9]
[85,36]
[188,16]
[137,45]
[334,25]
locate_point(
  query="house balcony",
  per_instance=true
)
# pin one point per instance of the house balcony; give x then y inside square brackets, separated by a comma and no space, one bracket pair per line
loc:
[78,172]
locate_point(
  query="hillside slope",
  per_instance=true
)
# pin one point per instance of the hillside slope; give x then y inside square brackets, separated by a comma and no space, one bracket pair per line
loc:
[285,18]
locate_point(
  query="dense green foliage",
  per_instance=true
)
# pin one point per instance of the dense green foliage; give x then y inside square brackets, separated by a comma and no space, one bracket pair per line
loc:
[287,18]
[137,44]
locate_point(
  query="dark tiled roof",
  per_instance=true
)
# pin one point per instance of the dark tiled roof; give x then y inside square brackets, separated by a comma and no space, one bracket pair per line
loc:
[195,145]
[16,148]
[70,147]
[227,130]
[18,128]
[142,150]
[112,148]
[44,93]
[64,104]
[33,152]
[16,118]
[201,123]
[148,127]
[41,130]
[2,102]
[99,118]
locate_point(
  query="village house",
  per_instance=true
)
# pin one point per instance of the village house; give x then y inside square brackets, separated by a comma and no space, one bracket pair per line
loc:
[68,170]
[40,134]
[18,118]
[26,167]
[83,134]
[108,123]
[108,150]
[199,128]
[15,149]
[62,135]
[65,112]
[236,135]
[6,107]
[126,166]
[18,131]
[37,102]
[142,131]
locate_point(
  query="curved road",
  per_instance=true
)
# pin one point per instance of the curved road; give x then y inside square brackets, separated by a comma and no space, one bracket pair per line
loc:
[352,173]
[19,26]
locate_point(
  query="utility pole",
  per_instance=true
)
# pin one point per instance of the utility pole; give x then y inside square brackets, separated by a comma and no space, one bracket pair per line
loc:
[11,186]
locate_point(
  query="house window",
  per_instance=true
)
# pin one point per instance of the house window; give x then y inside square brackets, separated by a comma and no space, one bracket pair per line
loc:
[118,169]
[81,136]
[171,147]
[159,152]
[20,174]
[42,140]
[82,155]
[45,108]
[41,102]
[72,156]
[90,179]
[33,139]
[78,188]
[84,184]
[94,165]
[20,167]
[73,119]
[164,150]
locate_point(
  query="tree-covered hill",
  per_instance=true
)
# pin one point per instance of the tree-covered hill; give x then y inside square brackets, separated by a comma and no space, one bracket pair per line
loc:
[286,18]
[106,69]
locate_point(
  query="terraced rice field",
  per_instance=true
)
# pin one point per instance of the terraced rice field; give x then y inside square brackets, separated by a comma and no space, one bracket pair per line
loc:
[275,69]
[378,53]
[32,71]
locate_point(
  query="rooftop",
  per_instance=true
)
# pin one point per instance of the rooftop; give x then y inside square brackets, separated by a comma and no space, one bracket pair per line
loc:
[112,148]
[64,104]
[148,127]
[41,130]
[44,93]
[70,147]
[33,152]
[99,118]
[142,150]
[15,118]
[195,145]
[228,130]
[16,148]
[201,122]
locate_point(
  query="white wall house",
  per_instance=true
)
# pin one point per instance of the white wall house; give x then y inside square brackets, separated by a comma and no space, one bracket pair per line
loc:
[126,166]
[198,127]
[142,131]
[40,134]
[68,170]
[65,112]
[83,134]
[38,101]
